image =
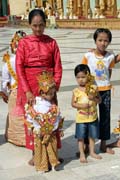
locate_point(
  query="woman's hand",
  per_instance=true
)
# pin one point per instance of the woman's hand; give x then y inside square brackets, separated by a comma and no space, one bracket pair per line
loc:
[30,97]
[4,97]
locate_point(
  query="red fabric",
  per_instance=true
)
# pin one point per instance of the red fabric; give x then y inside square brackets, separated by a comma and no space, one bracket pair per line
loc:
[58,139]
[29,139]
[32,51]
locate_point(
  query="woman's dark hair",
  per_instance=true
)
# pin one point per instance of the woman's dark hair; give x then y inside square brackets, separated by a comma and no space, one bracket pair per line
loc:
[81,68]
[102,30]
[36,12]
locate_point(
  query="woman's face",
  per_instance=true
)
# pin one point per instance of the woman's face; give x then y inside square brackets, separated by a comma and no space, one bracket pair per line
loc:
[37,25]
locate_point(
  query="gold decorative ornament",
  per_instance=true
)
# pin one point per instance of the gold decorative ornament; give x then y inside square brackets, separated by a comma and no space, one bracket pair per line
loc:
[46,81]
[46,121]
[117,129]
[90,90]
[6,58]
[14,42]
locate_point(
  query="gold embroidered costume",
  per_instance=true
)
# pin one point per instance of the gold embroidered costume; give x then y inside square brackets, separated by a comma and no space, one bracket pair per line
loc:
[44,118]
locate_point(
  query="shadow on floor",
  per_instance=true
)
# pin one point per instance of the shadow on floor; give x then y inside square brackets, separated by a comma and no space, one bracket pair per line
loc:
[68,151]
[70,147]
[2,139]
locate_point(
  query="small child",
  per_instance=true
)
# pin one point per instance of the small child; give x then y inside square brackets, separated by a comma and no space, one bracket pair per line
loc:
[85,98]
[44,119]
[101,62]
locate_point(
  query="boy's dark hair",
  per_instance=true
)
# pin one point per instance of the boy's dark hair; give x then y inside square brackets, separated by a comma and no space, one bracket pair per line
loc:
[36,12]
[102,30]
[81,68]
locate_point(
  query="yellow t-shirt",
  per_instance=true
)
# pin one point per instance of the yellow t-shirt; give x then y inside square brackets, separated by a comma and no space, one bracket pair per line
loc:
[84,115]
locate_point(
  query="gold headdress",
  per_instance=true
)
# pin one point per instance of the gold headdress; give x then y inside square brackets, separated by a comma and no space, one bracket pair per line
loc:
[45,81]
[13,44]
[6,57]
[16,37]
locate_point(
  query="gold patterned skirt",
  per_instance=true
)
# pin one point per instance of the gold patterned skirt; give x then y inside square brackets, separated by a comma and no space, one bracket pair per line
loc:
[45,154]
[15,130]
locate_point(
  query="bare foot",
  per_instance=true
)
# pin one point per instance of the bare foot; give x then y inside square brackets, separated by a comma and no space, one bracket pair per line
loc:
[31,162]
[118,143]
[83,159]
[96,156]
[86,151]
[110,151]
[115,144]
[107,150]
[41,172]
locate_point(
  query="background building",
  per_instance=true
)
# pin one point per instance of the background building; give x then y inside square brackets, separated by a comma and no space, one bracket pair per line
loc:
[65,9]
[68,13]
[4,8]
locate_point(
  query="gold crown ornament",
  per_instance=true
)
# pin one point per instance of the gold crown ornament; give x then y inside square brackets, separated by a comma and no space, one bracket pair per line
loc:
[6,57]
[46,81]
[90,84]
[16,37]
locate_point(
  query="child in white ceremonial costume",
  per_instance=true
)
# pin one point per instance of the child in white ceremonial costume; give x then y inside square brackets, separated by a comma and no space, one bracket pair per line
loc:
[44,118]
[14,132]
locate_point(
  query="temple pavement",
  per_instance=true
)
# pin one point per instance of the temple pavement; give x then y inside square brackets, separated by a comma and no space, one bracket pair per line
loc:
[73,44]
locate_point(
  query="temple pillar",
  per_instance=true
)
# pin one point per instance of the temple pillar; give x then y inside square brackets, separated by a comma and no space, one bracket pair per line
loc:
[74,7]
[59,4]
[70,8]
[8,7]
[39,3]
[52,5]
[65,8]
[86,7]
[33,4]
[110,8]
[114,8]
[79,9]
[50,2]
[97,4]
[88,4]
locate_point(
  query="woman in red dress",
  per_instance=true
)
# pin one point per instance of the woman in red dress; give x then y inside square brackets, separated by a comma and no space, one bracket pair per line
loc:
[35,53]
